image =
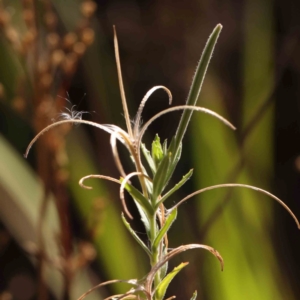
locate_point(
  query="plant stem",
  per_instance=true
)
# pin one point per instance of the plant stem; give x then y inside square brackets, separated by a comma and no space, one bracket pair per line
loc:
[155,253]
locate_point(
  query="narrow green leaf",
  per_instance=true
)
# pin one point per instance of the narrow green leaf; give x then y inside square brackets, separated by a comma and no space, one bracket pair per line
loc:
[169,221]
[157,151]
[144,218]
[135,236]
[164,269]
[159,180]
[194,296]
[149,159]
[148,183]
[166,169]
[21,199]
[140,198]
[197,85]
[184,179]
[175,159]
[162,287]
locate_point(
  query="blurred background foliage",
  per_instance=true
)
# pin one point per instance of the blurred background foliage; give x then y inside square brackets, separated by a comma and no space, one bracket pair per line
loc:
[56,239]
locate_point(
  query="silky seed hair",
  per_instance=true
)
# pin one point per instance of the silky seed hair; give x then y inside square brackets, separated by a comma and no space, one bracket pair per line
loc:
[71,113]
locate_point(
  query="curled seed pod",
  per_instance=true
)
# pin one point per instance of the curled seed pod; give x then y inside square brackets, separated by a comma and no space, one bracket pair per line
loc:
[88,8]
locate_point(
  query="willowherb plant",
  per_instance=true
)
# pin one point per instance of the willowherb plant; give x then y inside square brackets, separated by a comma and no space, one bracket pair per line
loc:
[150,198]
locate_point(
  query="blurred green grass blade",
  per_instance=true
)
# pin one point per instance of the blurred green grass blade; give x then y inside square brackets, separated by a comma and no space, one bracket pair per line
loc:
[240,231]
[20,202]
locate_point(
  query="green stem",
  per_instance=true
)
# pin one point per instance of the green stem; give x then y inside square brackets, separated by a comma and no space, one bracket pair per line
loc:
[154,250]
[196,85]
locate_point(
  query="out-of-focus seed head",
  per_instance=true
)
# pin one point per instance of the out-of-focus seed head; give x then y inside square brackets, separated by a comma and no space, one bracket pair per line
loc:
[43,66]
[62,176]
[87,250]
[53,40]
[46,80]
[50,20]
[4,18]
[88,8]
[6,296]
[46,107]
[28,16]
[79,48]
[69,40]
[27,2]
[12,35]
[87,36]
[70,63]
[19,104]
[53,141]
[57,57]
[27,40]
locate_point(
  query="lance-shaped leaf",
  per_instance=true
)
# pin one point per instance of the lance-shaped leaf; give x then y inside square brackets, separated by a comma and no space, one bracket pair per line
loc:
[197,85]
[194,296]
[159,179]
[184,179]
[175,159]
[140,198]
[143,205]
[168,223]
[164,269]
[144,218]
[162,287]
[149,158]
[135,236]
